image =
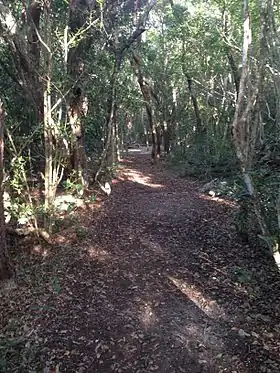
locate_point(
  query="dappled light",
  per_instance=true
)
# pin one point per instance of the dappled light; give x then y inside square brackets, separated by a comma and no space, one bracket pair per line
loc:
[38,249]
[139,186]
[138,151]
[147,315]
[140,178]
[206,304]
[143,281]
[219,200]
[98,254]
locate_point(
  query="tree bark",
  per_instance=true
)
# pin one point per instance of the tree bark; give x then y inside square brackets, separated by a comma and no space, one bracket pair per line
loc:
[246,119]
[147,96]
[5,267]
[233,66]
[110,119]
[25,50]
[166,137]
[235,72]
[195,105]
[78,102]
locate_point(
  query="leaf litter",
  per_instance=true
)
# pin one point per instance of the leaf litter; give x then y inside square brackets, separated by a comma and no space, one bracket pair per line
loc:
[153,279]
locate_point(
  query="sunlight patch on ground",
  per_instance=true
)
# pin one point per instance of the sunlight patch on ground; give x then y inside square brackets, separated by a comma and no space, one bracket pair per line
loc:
[124,160]
[219,200]
[98,254]
[38,249]
[148,317]
[207,305]
[134,150]
[138,177]
[140,150]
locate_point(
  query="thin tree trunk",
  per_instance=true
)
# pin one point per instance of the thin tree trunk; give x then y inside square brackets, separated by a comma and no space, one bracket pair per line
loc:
[117,136]
[246,118]
[146,134]
[78,102]
[235,72]
[53,152]
[147,95]
[48,140]
[195,105]
[232,64]
[110,119]
[5,267]
[158,137]
[113,142]
[166,137]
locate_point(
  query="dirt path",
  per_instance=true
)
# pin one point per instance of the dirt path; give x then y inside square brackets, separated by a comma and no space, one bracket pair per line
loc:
[156,282]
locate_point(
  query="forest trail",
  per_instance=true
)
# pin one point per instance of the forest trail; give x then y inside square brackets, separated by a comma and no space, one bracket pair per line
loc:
[156,282]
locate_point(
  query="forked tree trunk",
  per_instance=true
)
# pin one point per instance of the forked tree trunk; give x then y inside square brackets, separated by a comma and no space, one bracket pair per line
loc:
[246,119]
[5,268]
[54,151]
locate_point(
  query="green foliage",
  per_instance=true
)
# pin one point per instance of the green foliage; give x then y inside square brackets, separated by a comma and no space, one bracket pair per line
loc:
[189,39]
[18,178]
[206,157]
[72,184]
[20,206]
[92,198]
[267,183]
[246,221]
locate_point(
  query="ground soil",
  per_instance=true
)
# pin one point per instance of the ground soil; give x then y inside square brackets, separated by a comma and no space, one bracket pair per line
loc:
[149,279]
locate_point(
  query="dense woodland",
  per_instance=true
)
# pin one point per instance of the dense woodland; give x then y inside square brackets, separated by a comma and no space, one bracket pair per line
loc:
[83,81]
[198,81]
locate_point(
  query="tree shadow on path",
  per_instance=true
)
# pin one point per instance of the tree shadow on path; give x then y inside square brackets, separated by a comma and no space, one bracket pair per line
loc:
[153,287]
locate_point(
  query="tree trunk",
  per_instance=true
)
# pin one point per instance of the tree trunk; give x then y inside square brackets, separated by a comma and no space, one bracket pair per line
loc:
[113,149]
[78,103]
[195,106]
[25,50]
[33,19]
[110,119]
[76,110]
[5,268]
[158,138]
[117,136]
[235,72]
[54,149]
[147,96]
[246,118]
[166,137]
